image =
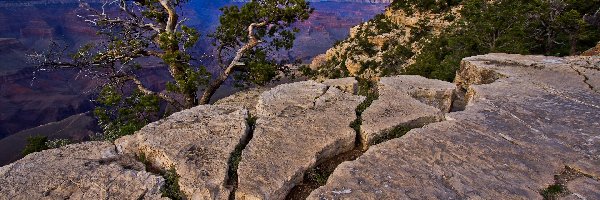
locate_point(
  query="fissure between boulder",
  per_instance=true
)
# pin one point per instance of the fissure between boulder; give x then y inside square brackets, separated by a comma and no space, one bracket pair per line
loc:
[586,79]
[236,157]
[318,175]
[559,188]
[171,187]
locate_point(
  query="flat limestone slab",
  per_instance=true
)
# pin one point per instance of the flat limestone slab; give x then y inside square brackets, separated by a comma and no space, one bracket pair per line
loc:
[91,170]
[405,101]
[197,142]
[299,125]
[527,118]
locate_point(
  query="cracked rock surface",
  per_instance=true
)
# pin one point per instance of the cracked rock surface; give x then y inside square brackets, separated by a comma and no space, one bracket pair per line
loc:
[405,101]
[299,125]
[91,170]
[197,142]
[527,118]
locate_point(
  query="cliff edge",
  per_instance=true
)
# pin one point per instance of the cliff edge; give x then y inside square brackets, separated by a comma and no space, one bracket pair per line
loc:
[510,126]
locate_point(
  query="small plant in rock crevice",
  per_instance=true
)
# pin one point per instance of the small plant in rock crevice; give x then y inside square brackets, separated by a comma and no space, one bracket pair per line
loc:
[368,89]
[171,188]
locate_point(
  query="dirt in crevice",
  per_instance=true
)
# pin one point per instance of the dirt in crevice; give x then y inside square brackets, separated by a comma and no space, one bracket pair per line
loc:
[559,188]
[236,157]
[171,188]
[318,175]
[586,79]
[459,100]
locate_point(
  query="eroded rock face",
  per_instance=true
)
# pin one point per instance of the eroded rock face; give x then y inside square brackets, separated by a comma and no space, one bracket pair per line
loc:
[518,131]
[298,125]
[92,170]
[197,142]
[405,101]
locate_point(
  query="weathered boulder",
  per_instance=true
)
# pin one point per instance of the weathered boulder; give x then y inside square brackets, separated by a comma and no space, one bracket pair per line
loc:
[349,85]
[405,101]
[299,125]
[91,170]
[527,118]
[197,142]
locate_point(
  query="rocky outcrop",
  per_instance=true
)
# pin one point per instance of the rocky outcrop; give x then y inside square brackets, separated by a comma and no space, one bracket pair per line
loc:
[299,125]
[197,143]
[92,170]
[529,128]
[527,118]
[387,43]
[405,102]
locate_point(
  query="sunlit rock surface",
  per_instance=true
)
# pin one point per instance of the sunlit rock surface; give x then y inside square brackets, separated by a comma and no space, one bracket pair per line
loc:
[527,118]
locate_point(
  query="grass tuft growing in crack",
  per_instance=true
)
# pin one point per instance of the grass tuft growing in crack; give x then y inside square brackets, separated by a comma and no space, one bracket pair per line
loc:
[318,175]
[367,88]
[553,192]
[171,188]
[236,157]
[559,189]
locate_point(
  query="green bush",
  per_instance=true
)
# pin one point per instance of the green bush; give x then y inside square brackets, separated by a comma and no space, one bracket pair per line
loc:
[35,144]
[120,114]
[509,26]
[171,188]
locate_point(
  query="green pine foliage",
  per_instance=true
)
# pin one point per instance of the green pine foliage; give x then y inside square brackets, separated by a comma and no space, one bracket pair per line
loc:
[35,144]
[548,27]
[122,114]
[508,26]
[435,6]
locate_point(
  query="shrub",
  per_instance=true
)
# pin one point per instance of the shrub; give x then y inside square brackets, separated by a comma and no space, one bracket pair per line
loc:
[171,188]
[35,144]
